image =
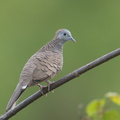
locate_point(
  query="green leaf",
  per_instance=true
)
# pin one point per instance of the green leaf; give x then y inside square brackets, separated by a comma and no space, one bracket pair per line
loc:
[114,97]
[95,107]
[111,115]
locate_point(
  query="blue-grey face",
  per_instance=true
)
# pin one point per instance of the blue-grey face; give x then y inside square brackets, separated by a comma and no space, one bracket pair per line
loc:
[64,35]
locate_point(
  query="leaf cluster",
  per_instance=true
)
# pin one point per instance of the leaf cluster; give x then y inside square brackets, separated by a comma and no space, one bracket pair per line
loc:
[100,109]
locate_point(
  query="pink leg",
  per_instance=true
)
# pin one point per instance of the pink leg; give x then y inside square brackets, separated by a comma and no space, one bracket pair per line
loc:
[41,88]
[49,83]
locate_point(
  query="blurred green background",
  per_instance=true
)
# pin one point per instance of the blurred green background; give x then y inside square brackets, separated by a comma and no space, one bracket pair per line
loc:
[26,25]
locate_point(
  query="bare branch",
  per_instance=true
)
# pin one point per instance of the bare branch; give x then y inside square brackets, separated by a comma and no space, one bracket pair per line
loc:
[60,82]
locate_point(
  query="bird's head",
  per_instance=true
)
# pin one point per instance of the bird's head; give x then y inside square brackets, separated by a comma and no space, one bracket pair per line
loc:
[64,35]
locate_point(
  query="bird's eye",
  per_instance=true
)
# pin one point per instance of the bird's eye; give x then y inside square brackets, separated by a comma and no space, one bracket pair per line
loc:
[64,34]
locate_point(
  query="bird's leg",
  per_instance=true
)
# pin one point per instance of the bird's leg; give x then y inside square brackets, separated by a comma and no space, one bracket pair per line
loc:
[41,88]
[49,83]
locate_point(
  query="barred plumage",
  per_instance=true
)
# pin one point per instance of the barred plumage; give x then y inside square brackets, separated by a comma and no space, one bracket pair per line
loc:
[42,66]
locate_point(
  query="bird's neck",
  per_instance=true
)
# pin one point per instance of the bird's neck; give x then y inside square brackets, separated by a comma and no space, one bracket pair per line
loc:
[54,46]
[57,44]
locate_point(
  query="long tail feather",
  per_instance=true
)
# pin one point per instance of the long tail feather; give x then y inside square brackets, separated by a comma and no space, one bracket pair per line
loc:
[17,93]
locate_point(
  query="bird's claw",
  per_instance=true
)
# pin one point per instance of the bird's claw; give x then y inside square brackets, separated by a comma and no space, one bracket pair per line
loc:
[49,83]
[41,88]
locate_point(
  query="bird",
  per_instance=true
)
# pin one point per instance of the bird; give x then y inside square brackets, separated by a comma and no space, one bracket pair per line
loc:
[42,66]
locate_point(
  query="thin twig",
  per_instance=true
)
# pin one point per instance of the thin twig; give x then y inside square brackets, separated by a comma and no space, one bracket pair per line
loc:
[60,82]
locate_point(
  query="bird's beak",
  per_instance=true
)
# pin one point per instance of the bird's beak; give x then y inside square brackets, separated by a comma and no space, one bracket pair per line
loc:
[71,38]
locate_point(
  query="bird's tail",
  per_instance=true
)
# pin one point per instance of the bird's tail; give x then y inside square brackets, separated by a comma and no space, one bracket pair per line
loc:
[17,93]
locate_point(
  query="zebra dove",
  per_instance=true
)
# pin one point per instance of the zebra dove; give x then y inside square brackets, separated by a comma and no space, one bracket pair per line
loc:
[42,66]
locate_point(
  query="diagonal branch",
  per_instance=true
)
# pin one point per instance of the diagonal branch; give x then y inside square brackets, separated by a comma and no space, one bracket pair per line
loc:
[60,82]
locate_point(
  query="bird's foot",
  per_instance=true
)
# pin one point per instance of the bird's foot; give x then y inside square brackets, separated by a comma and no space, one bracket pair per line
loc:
[49,83]
[41,88]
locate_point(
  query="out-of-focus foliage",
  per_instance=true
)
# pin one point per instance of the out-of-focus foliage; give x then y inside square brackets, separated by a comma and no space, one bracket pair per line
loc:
[26,25]
[111,115]
[101,109]
[115,97]
[95,107]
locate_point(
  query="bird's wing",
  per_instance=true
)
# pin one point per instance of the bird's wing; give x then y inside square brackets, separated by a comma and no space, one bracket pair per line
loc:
[48,64]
